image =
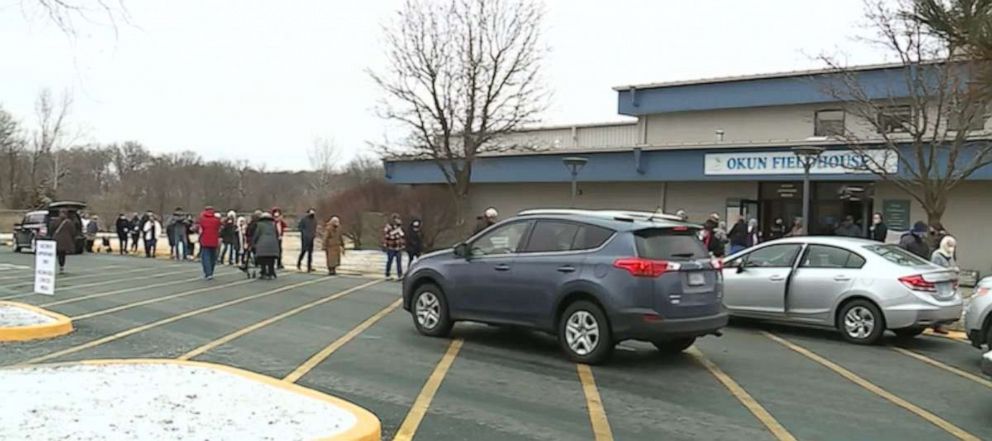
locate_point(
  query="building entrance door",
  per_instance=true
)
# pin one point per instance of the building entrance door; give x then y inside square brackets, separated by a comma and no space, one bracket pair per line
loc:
[831,203]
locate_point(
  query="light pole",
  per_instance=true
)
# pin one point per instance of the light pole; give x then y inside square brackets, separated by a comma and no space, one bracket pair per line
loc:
[808,155]
[574,164]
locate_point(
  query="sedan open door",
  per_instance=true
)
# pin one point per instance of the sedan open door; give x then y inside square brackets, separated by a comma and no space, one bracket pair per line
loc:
[755,283]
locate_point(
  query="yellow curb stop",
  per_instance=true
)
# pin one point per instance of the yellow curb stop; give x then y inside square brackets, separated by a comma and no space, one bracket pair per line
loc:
[61,325]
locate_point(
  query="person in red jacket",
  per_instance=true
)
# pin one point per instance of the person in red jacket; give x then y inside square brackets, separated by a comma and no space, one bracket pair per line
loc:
[209,228]
[281,226]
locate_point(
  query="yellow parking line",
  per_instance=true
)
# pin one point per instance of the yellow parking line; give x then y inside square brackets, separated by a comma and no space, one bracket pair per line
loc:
[234,335]
[951,335]
[165,321]
[156,300]
[743,396]
[597,414]
[419,408]
[120,291]
[871,387]
[313,361]
[943,366]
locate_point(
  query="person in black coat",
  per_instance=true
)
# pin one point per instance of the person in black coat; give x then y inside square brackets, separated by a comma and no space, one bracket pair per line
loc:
[123,227]
[308,233]
[915,242]
[713,243]
[738,236]
[878,231]
[414,241]
[136,225]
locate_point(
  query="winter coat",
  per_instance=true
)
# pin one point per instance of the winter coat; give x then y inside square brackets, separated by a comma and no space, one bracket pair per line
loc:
[710,239]
[136,224]
[209,229]
[308,228]
[265,240]
[940,259]
[92,228]
[414,241]
[152,229]
[280,226]
[878,232]
[228,232]
[777,232]
[123,226]
[64,234]
[915,244]
[738,234]
[333,245]
[481,224]
[393,238]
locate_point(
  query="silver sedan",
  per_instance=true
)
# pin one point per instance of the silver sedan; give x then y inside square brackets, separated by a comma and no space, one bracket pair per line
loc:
[856,286]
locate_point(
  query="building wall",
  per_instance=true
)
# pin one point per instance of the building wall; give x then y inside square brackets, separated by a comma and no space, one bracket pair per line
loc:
[967,217]
[575,137]
[698,199]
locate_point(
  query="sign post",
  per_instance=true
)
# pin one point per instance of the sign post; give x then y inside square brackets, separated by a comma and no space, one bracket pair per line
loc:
[44,267]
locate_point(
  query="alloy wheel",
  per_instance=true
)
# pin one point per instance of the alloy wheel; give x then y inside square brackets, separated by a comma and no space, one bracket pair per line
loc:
[582,332]
[428,310]
[859,322]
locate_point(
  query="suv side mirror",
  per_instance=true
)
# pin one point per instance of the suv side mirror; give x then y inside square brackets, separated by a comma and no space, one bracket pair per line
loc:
[462,250]
[741,266]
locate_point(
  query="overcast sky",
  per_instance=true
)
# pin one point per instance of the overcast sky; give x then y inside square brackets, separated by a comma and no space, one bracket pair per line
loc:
[258,80]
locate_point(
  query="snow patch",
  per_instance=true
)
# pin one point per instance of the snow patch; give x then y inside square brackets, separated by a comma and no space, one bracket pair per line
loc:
[12,316]
[157,401]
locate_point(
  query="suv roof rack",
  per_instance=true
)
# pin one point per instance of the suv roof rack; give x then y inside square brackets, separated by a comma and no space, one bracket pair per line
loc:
[621,215]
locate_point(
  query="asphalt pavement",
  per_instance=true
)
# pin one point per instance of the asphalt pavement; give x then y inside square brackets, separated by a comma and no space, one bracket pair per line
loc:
[347,336]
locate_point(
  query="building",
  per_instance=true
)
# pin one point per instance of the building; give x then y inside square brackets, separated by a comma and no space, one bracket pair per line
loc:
[722,145]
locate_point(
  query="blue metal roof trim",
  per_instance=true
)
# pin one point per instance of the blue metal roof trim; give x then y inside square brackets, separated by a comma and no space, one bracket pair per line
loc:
[806,89]
[684,165]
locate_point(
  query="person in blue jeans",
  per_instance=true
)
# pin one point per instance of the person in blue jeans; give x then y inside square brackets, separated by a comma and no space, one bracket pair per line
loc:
[394,242]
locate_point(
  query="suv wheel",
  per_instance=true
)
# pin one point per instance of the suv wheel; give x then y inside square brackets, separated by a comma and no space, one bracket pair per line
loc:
[584,333]
[908,333]
[861,322]
[674,346]
[430,311]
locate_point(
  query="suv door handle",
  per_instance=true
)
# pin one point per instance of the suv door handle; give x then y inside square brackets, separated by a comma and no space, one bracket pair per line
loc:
[842,278]
[566,269]
[502,267]
[776,278]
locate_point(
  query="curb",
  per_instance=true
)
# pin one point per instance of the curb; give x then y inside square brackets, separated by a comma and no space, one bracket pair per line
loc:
[61,326]
[367,426]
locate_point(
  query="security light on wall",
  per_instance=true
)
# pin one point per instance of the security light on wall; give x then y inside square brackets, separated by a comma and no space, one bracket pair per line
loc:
[719,135]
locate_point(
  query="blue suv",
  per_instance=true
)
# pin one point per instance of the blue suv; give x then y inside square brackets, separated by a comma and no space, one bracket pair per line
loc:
[592,278]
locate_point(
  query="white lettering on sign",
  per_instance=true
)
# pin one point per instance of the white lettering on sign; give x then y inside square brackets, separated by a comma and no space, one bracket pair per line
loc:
[786,163]
[44,267]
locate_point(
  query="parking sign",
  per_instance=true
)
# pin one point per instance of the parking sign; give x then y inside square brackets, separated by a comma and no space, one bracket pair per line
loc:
[44,267]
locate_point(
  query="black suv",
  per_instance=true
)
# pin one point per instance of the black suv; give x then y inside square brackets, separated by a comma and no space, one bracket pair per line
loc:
[35,224]
[593,278]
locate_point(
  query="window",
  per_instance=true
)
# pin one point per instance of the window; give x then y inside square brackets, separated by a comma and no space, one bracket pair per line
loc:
[820,256]
[590,237]
[551,236]
[503,240]
[968,118]
[897,255]
[828,123]
[668,244]
[34,218]
[774,256]
[894,119]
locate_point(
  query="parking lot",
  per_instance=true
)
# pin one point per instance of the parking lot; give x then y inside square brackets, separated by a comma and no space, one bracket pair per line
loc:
[348,336]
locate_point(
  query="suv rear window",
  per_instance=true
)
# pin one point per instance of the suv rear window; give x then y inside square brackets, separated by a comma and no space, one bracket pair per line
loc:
[668,244]
[897,255]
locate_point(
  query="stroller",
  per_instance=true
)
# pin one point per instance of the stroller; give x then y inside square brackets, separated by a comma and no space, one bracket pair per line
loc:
[249,266]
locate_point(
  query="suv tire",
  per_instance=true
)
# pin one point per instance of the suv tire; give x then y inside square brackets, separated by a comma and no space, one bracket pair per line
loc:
[861,322]
[674,346]
[430,311]
[909,333]
[584,333]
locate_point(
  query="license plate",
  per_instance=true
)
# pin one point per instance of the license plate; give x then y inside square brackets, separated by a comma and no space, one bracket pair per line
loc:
[696,279]
[945,289]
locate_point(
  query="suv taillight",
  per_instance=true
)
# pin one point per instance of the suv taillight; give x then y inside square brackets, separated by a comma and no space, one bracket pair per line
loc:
[639,267]
[917,283]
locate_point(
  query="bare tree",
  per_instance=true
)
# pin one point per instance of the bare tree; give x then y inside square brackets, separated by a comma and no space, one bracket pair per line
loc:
[460,74]
[65,13]
[923,125]
[11,155]
[967,24]
[323,156]
[51,134]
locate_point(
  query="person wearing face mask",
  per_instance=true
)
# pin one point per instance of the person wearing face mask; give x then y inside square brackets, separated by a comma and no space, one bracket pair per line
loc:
[393,242]
[414,242]
[333,245]
[878,231]
[308,233]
